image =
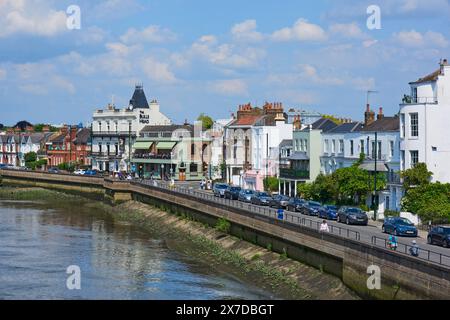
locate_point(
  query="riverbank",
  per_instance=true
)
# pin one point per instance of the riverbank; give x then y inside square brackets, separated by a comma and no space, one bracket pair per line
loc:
[284,277]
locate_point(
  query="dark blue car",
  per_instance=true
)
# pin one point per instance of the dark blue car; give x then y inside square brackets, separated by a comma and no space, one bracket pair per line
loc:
[328,212]
[90,172]
[312,208]
[399,226]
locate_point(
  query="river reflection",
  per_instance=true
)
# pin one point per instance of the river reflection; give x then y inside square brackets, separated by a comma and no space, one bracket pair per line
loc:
[117,260]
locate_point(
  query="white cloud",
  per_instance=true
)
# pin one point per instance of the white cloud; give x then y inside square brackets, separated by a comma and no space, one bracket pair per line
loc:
[227,55]
[30,17]
[3,74]
[347,30]
[152,33]
[302,30]
[246,32]
[415,39]
[158,71]
[232,87]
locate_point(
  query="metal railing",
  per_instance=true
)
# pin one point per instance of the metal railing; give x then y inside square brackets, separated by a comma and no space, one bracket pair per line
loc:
[288,217]
[423,254]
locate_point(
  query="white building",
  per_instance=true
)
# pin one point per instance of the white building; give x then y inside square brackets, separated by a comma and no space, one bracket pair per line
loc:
[265,155]
[342,146]
[424,121]
[217,135]
[114,131]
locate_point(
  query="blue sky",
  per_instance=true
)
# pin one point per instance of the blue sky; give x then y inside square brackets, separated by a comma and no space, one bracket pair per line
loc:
[209,56]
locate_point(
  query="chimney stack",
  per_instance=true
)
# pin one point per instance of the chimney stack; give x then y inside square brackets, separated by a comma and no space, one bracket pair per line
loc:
[380,114]
[297,123]
[45,128]
[369,116]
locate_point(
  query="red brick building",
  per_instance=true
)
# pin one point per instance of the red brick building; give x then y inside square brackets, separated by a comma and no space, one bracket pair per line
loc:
[70,144]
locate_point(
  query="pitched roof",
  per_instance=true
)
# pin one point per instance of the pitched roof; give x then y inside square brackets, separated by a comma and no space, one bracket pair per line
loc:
[431,77]
[347,127]
[286,143]
[168,128]
[83,136]
[246,120]
[139,100]
[383,124]
[323,124]
[58,138]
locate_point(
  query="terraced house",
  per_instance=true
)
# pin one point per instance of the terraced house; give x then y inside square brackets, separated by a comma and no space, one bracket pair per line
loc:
[181,152]
[377,138]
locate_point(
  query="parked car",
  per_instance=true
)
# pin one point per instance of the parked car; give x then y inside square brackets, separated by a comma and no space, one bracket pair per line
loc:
[352,215]
[311,208]
[3,165]
[296,205]
[53,170]
[261,198]
[79,172]
[399,226]
[245,195]
[90,172]
[439,235]
[219,190]
[279,201]
[328,212]
[232,193]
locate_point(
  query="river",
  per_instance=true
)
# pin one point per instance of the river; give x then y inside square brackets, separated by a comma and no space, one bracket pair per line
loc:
[38,242]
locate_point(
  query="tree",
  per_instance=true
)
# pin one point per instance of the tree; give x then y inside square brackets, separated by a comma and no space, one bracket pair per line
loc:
[304,191]
[416,176]
[271,184]
[30,157]
[207,121]
[430,201]
[324,189]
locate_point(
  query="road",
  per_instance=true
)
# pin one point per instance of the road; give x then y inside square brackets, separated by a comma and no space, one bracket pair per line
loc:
[365,234]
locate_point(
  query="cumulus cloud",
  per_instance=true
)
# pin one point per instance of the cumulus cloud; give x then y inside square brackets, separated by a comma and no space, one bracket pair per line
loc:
[158,71]
[415,39]
[232,87]
[3,74]
[227,55]
[302,30]
[152,33]
[30,17]
[246,31]
[347,30]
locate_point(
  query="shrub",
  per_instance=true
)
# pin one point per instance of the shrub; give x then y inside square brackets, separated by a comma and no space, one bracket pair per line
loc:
[223,225]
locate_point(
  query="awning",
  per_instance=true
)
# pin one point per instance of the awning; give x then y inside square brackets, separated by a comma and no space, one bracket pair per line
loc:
[299,156]
[142,145]
[370,166]
[166,145]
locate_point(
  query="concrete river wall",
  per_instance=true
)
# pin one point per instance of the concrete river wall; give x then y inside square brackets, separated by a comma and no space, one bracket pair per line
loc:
[401,276]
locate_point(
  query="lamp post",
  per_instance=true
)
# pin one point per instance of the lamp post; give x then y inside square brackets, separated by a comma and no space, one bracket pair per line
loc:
[375,209]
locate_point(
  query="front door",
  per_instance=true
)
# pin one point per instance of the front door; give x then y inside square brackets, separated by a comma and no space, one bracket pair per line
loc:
[182,175]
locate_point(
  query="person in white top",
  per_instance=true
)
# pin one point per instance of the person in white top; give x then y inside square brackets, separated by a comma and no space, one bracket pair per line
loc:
[324,226]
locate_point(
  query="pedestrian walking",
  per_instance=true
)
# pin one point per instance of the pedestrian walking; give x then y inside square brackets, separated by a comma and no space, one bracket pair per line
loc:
[324,227]
[392,242]
[414,250]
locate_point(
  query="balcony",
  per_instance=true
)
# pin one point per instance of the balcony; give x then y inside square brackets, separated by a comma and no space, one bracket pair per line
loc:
[294,174]
[163,156]
[419,100]
[106,154]
[394,178]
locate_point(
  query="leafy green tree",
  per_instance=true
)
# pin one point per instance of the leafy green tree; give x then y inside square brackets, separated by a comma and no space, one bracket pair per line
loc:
[416,176]
[324,189]
[30,157]
[271,184]
[304,191]
[431,201]
[206,120]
